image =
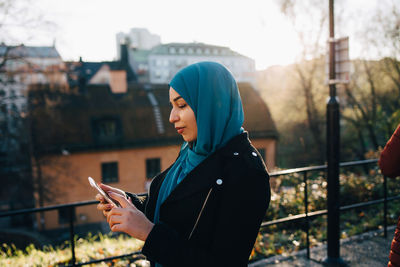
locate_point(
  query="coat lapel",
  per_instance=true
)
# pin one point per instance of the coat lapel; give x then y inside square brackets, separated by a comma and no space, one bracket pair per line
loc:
[202,176]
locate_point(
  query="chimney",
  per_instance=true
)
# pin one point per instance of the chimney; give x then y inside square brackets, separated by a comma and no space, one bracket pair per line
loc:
[124,54]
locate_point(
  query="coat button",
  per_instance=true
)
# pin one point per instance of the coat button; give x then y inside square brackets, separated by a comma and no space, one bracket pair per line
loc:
[235,153]
[219,181]
[254,154]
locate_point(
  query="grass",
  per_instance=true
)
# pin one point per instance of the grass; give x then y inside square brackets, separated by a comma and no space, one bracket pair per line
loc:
[92,247]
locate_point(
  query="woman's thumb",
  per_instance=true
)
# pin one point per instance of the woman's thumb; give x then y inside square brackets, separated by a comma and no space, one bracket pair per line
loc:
[121,199]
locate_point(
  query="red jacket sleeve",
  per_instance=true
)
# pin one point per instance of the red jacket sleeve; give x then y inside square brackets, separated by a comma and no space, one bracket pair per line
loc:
[389,161]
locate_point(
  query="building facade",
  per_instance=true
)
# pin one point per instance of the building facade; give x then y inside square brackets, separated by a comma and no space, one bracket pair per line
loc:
[24,65]
[157,63]
[120,139]
[164,61]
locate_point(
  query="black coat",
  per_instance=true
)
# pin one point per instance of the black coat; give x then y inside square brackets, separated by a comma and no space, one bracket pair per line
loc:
[231,190]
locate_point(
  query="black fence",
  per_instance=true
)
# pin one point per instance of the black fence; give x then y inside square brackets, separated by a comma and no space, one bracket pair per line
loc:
[304,216]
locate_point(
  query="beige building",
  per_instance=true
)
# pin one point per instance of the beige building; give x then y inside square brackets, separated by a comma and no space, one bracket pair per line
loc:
[120,139]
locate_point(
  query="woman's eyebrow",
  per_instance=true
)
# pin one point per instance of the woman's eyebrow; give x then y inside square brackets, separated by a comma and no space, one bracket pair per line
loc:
[176,98]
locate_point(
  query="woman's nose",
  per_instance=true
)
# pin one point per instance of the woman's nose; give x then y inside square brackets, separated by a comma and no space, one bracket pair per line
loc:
[173,116]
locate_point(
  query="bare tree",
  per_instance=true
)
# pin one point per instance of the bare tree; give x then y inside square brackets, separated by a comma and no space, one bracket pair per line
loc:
[309,20]
[20,21]
[373,97]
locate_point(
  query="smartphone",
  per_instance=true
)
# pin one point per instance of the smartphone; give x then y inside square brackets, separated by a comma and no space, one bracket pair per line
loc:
[101,191]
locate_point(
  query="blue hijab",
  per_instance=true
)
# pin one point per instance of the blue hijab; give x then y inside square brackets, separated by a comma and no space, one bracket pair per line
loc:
[212,93]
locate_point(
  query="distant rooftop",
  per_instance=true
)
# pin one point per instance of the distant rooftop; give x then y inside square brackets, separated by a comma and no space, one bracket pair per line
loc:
[193,49]
[29,51]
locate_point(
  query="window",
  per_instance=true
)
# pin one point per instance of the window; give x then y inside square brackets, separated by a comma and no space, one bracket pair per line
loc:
[109,172]
[153,167]
[157,74]
[107,130]
[262,152]
[64,215]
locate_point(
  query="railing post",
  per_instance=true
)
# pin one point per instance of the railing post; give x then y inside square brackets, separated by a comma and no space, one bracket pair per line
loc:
[71,233]
[306,212]
[385,205]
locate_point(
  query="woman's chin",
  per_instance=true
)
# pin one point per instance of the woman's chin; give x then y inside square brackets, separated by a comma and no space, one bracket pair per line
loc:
[188,139]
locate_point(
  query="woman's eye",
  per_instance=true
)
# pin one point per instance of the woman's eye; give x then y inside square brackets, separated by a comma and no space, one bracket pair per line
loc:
[182,106]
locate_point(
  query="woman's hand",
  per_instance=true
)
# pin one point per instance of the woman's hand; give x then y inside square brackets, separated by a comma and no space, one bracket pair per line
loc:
[128,219]
[104,206]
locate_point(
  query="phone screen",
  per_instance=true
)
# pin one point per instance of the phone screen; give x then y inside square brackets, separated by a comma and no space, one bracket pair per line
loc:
[101,191]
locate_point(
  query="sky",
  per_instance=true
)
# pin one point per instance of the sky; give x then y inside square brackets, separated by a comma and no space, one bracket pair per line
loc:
[254,28]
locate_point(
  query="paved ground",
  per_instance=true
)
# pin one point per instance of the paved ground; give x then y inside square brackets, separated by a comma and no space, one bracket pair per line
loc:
[368,249]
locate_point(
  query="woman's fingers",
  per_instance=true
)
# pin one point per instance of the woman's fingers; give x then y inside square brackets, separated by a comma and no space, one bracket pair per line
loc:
[121,200]
[117,228]
[115,211]
[100,198]
[104,206]
[114,219]
[106,187]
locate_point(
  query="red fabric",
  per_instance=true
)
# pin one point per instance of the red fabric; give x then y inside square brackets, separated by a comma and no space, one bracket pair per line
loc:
[394,255]
[394,258]
[397,235]
[389,161]
[395,246]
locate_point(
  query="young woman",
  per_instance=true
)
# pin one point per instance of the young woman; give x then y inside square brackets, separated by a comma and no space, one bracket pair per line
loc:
[207,207]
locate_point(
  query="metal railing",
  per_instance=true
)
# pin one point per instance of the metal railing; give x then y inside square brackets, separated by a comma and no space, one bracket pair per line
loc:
[304,216]
[71,207]
[308,215]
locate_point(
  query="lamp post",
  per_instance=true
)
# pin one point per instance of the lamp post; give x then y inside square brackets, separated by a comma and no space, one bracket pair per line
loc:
[333,154]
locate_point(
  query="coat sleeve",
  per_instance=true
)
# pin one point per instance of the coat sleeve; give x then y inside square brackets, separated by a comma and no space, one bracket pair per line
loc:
[138,201]
[240,213]
[389,161]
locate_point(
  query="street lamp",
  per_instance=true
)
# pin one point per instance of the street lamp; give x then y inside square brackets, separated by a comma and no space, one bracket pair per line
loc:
[333,154]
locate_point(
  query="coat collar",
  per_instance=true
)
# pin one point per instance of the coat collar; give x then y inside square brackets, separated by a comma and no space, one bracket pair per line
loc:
[208,171]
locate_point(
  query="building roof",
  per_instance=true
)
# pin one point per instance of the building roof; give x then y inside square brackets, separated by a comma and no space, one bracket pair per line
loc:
[80,73]
[29,51]
[213,50]
[64,121]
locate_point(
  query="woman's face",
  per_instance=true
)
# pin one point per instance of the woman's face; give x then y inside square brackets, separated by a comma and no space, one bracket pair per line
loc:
[182,116]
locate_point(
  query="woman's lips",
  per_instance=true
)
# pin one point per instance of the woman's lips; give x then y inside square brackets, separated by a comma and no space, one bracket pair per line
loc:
[179,129]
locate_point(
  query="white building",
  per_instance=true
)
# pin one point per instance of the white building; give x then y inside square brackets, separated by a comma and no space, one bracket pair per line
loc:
[165,60]
[154,62]
[137,38]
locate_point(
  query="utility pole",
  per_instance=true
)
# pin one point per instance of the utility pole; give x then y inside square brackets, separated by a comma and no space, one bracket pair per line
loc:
[333,154]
